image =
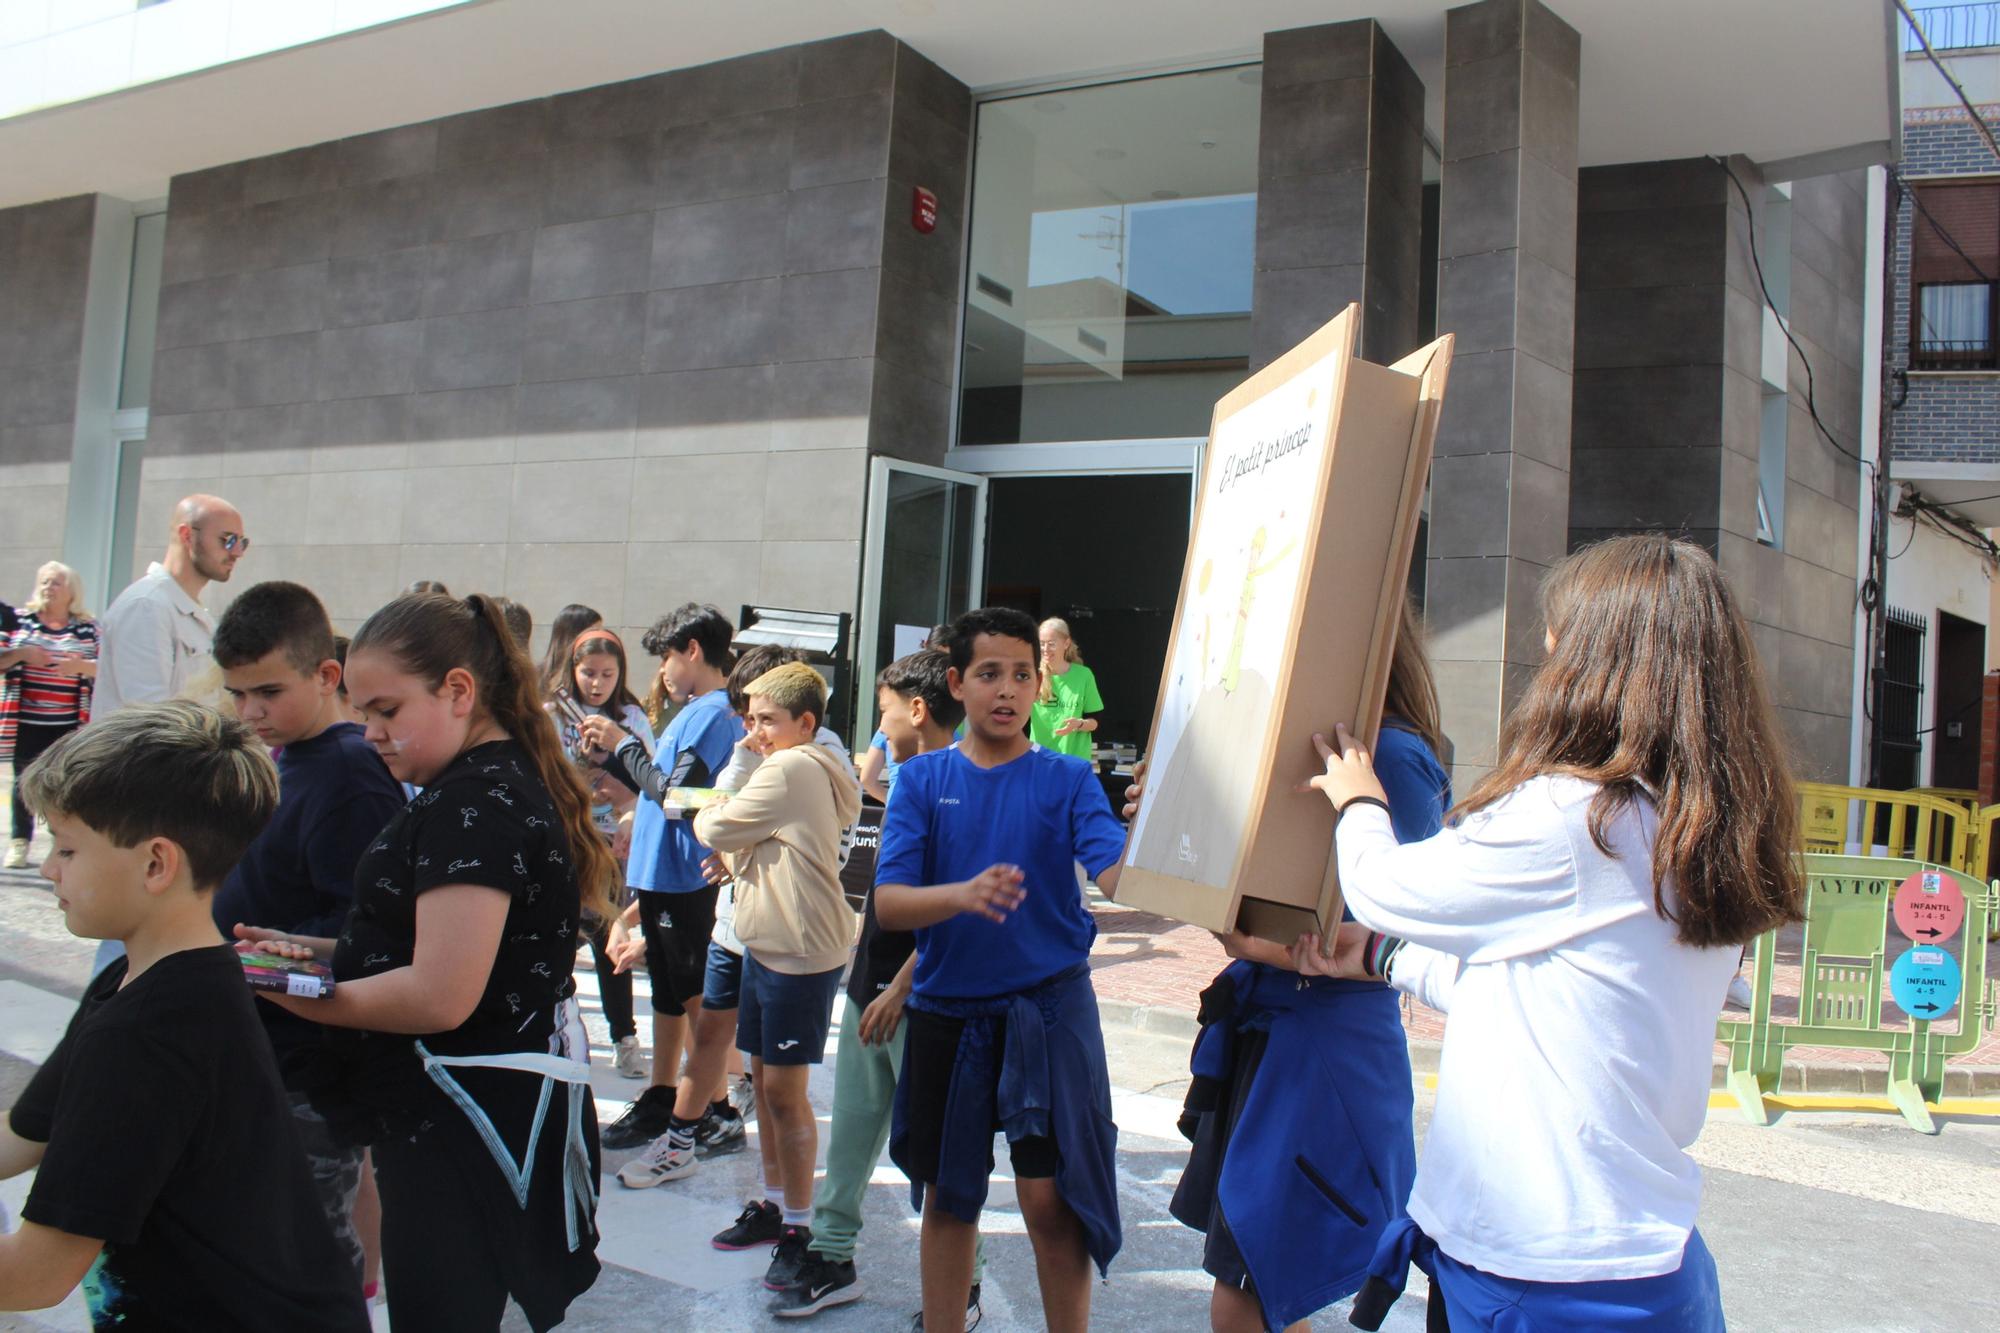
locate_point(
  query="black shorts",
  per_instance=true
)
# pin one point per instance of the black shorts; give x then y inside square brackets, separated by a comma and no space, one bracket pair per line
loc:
[677,927]
[929,1051]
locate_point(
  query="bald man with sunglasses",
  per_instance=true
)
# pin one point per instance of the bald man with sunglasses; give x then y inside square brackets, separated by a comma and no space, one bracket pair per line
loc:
[157,635]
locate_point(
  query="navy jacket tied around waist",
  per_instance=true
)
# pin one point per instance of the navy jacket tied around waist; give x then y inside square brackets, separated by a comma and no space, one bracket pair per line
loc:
[1045,1077]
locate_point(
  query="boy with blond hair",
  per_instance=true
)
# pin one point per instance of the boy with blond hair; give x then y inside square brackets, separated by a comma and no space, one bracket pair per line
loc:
[169,1176]
[779,837]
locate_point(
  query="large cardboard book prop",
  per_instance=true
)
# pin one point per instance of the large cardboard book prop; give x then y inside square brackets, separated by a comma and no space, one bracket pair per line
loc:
[1310,494]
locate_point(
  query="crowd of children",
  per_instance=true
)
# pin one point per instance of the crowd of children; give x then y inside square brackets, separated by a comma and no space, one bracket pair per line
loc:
[446,824]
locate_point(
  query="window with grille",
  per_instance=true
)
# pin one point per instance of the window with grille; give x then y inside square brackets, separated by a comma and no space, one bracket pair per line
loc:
[1899,700]
[1954,263]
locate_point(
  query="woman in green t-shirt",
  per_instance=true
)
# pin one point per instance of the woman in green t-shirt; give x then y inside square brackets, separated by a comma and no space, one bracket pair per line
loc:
[1066,710]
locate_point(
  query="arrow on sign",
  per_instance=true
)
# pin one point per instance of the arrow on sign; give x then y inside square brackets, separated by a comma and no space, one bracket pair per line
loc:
[1933,932]
[1928,1008]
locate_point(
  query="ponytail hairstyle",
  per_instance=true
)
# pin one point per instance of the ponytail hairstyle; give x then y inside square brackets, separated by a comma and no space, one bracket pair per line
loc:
[1653,690]
[1071,654]
[571,621]
[600,640]
[429,634]
[1413,696]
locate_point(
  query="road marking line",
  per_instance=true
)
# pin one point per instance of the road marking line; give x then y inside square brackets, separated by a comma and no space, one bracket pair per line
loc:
[1722,1100]
[1985,1107]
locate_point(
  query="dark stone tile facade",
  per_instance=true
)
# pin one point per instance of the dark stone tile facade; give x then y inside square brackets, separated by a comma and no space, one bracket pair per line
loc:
[44,272]
[545,330]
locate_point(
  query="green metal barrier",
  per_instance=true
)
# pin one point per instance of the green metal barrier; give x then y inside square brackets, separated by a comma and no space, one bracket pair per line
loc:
[1849,946]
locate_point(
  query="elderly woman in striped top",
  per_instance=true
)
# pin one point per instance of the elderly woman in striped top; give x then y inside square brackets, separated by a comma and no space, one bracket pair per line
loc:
[50,660]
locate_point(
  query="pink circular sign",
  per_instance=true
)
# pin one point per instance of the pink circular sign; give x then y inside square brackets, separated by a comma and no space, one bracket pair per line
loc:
[1929,906]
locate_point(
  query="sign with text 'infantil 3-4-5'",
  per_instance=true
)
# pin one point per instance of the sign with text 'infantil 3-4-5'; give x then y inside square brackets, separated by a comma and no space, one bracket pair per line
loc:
[1929,905]
[1307,517]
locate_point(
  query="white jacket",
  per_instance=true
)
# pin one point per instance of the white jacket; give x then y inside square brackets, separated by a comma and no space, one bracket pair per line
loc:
[1576,1062]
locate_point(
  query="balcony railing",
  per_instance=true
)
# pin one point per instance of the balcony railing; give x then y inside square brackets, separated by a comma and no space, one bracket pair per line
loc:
[1952,354]
[1954,27]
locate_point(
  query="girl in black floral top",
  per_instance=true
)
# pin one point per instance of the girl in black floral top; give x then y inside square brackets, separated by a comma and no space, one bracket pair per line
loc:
[455,973]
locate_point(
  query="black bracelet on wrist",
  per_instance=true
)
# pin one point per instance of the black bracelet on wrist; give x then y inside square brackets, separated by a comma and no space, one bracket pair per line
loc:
[1353,801]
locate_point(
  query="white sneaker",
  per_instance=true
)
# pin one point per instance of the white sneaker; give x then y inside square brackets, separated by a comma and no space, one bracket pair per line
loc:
[17,854]
[1739,993]
[658,1164]
[629,1058]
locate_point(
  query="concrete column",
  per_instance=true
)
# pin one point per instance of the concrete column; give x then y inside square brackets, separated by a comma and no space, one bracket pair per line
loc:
[1507,289]
[1340,189]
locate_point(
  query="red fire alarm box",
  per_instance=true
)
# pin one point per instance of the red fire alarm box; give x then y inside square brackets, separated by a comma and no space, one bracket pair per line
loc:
[923,210]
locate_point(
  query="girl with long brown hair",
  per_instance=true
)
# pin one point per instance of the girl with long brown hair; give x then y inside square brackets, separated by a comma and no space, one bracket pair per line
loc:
[1580,922]
[455,970]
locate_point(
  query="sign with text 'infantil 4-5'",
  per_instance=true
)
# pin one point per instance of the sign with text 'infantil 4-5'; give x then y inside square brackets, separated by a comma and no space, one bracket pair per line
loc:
[1925,981]
[1929,906]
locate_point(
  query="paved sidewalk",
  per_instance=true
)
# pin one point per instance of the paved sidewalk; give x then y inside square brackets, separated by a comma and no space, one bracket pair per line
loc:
[1816,1222]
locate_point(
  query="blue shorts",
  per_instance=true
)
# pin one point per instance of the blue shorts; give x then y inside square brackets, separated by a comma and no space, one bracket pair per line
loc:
[1688,1300]
[722,985]
[783,1019]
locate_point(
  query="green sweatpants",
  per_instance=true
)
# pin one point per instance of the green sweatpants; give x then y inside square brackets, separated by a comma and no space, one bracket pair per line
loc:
[864,1098]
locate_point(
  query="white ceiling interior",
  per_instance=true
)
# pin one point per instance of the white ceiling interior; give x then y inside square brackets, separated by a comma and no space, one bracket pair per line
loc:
[1769,79]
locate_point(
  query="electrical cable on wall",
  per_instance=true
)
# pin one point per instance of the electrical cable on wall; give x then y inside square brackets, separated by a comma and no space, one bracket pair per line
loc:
[1784,325]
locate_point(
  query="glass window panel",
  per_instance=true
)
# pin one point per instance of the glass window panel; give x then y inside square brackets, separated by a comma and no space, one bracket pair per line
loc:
[1954,317]
[1113,248]
[142,309]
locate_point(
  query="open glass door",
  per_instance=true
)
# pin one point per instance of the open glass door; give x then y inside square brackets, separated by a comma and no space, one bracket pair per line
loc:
[923,563]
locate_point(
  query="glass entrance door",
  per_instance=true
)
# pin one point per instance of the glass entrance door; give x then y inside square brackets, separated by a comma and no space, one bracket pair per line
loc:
[924,563]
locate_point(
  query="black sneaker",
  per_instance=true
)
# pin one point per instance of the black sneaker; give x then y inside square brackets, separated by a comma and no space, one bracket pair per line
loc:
[973,1313]
[644,1120]
[760,1223]
[718,1133]
[788,1257]
[821,1282]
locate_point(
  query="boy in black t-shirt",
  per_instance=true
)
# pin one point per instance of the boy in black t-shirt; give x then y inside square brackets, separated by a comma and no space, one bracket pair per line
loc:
[169,1178]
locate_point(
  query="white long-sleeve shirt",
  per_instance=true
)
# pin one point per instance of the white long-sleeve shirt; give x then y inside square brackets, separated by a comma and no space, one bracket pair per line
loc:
[1576,1061]
[156,643]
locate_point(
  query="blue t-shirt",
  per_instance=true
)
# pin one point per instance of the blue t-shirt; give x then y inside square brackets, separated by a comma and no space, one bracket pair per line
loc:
[1418,788]
[889,764]
[948,819]
[335,796]
[665,857]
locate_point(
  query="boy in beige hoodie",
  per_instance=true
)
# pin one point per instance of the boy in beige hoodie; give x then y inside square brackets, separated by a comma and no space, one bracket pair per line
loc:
[780,838]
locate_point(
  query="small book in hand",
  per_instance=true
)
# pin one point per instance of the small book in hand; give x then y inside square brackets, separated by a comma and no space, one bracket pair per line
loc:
[304,977]
[680,802]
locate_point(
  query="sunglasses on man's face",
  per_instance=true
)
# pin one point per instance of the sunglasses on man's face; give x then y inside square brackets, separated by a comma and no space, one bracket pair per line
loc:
[233,542]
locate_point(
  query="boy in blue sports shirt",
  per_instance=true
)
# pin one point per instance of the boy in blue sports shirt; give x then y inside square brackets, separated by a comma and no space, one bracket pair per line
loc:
[674,904]
[978,855]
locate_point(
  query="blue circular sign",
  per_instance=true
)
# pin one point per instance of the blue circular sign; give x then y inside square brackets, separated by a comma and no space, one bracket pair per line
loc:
[1925,982]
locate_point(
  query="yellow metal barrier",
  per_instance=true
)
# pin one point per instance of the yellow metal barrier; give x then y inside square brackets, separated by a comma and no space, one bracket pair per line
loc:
[1956,795]
[1919,826]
